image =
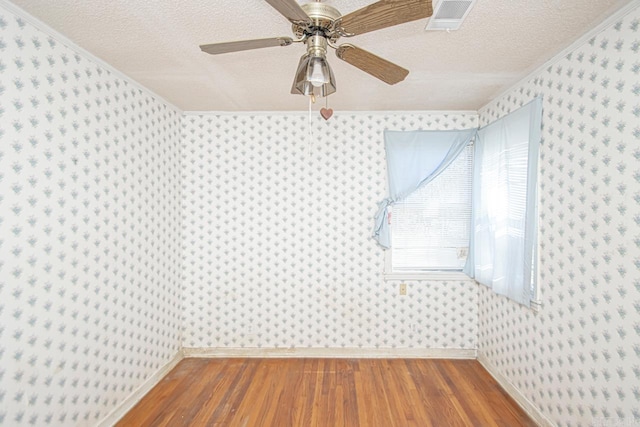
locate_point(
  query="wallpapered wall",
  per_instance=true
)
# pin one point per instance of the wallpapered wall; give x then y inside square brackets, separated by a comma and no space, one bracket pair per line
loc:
[277,237]
[89,247]
[578,360]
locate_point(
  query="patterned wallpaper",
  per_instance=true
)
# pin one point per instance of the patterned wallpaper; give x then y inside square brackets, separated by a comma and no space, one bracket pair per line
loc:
[89,247]
[578,359]
[274,250]
[277,237]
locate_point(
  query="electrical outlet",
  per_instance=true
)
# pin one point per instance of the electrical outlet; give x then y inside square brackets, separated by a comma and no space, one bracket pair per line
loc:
[403,288]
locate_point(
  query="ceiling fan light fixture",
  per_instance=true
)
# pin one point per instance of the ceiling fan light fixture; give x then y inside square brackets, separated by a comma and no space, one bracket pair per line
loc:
[314,76]
[318,71]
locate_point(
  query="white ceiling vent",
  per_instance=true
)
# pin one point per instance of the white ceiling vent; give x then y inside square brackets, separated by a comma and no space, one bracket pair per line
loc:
[449,14]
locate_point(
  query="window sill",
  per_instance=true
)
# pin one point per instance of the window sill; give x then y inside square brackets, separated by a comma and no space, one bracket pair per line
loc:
[429,276]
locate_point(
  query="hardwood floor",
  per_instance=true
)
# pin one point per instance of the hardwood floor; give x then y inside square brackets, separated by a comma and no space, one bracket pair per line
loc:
[327,392]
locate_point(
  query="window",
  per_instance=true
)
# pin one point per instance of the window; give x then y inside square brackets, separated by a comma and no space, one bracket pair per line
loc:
[504,224]
[430,228]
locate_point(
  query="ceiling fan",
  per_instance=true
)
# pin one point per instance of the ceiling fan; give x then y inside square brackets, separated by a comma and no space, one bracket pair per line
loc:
[320,26]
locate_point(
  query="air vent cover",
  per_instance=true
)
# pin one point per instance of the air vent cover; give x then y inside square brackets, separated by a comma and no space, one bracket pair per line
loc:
[449,14]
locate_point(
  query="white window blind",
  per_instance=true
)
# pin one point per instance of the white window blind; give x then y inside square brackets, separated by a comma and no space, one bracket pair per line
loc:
[430,228]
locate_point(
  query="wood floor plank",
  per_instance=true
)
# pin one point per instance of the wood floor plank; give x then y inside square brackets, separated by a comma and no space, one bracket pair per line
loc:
[253,407]
[309,391]
[470,402]
[226,372]
[277,393]
[226,412]
[327,392]
[328,402]
[351,402]
[316,403]
[371,400]
[492,395]
[199,395]
[167,391]
[412,410]
[440,399]
[387,405]
[291,399]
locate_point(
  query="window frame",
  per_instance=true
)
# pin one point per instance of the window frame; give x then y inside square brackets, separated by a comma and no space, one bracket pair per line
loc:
[423,275]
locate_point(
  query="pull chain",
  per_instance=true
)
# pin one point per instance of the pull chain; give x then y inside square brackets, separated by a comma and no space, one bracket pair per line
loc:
[312,100]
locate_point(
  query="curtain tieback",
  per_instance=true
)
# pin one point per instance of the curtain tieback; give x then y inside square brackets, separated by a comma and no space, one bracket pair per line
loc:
[381,230]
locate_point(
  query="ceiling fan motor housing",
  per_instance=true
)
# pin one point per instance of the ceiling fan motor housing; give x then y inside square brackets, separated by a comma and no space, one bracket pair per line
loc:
[317,46]
[321,19]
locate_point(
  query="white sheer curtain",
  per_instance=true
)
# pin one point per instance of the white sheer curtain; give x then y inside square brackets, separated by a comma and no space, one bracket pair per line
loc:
[504,209]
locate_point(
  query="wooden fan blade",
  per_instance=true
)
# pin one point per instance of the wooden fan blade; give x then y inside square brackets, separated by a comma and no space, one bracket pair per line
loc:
[382,14]
[218,48]
[290,9]
[379,68]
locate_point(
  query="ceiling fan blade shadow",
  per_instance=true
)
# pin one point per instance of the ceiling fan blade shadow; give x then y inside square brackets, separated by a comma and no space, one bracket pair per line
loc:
[382,14]
[218,48]
[290,9]
[379,68]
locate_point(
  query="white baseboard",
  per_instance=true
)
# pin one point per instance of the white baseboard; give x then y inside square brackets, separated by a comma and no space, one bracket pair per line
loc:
[338,353]
[512,391]
[126,405]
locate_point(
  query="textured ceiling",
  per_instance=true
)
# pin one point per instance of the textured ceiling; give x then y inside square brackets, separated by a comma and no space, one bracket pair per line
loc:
[156,43]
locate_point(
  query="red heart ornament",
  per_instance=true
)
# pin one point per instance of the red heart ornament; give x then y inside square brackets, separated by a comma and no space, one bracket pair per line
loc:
[326,113]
